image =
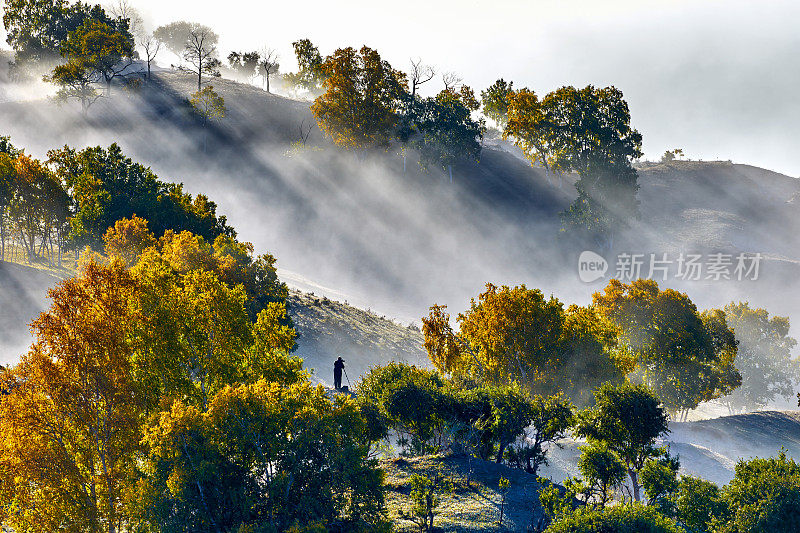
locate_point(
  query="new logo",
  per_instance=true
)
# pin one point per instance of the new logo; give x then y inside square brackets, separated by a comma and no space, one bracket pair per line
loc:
[591,266]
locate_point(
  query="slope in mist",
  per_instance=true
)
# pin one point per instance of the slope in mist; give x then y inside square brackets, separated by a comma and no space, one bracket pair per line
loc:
[400,241]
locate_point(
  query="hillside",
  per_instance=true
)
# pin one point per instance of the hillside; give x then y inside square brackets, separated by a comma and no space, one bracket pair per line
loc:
[328,329]
[400,241]
[709,448]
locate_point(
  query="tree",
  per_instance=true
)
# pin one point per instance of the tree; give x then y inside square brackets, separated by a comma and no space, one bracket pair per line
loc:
[128,239]
[265,456]
[310,75]
[268,66]
[425,495]
[175,36]
[698,504]
[101,50]
[107,186]
[495,101]
[210,106]
[70,423]
[362,98]
[626,518]
[763,356]
[200,52]
[550,419]
[586,131]
[603,473]
[687,357]
[36,29]
[763,496]
[244,63]
[419,75]
[151,47]
[627,419]
[443,131]
[516,334]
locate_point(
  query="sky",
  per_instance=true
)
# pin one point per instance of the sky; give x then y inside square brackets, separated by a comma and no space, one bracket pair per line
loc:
[715,78]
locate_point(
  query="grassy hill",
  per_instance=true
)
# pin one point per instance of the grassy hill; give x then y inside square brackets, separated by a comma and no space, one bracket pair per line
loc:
[328,329]
[474,503]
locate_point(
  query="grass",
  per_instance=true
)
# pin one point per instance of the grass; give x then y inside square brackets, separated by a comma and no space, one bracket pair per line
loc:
[473,507]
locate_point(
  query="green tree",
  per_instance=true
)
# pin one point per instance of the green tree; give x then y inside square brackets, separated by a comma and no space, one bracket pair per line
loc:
[245,64]
[107,186]
[362,98]
[310,75]
[698,504]
[443,131]
[550,419]
[495,101]
[628,419]
[603,473]
[267,456]
[586,131]
[101,50]
[36,29]
[763,357]
[425,496]
[764,496]
[626,518]
[685,356]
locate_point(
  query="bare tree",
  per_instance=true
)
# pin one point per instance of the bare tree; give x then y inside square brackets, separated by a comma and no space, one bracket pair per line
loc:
[151,46]
[305,133]
[451,81]
[420,75]
[123,10]
[201,53]
[268,65]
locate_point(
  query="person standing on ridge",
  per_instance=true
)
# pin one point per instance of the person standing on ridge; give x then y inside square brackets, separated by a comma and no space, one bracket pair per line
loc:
[338,366]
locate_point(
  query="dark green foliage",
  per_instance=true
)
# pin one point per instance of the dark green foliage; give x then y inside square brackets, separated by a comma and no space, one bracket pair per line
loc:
[443,130]
[628,419]
[659,477]
[603,472]
[7,148]
[393,389]
[107,186]
[763,497]
[36,29]
[697,504]
[625,518]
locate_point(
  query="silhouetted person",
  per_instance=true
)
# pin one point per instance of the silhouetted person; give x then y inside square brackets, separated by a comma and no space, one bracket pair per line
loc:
[338,366]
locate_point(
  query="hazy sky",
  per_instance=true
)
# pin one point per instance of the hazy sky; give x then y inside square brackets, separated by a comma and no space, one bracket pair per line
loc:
[716,78]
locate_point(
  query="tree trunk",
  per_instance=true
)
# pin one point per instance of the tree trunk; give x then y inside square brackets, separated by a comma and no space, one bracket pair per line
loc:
[450,170]
[635,482]
[267,83]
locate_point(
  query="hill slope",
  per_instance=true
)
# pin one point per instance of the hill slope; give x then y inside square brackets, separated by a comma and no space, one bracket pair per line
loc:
[400,241]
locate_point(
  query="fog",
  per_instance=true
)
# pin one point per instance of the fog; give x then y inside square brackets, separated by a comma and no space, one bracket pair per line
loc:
[713,77]
[359,229]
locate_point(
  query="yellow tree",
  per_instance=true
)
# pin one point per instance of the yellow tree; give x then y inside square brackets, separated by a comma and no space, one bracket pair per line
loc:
[362,98]
[517,334]
[71,423]
[128,238]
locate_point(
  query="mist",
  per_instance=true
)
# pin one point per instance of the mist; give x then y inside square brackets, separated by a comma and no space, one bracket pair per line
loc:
[359,229]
